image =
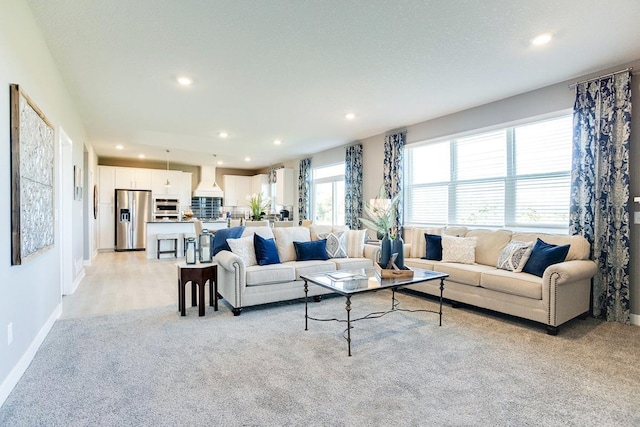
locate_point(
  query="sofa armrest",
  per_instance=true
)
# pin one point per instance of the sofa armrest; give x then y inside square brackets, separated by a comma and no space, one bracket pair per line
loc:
[229,261]
[570,271]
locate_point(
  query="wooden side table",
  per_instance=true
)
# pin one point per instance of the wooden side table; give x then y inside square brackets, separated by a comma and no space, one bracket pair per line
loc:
[198,274]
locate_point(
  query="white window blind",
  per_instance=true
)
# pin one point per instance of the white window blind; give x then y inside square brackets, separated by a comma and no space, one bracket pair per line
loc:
[512,177]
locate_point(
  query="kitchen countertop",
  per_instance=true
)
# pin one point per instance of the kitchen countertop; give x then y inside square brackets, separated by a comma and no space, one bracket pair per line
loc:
[189,221]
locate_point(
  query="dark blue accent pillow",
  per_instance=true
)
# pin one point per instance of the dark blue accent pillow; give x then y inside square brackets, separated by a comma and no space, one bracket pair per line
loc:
[543,255]
[221,236]
[266,250]
[434,247]
[307,251]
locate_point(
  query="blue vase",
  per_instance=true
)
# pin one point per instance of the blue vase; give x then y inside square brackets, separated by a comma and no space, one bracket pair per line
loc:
[398,247]
[385,250]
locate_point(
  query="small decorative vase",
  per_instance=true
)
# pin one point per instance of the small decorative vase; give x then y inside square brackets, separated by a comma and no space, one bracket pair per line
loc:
[385,250]
[398,247]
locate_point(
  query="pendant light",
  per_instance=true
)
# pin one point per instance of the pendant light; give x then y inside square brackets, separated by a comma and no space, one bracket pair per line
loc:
[167,184]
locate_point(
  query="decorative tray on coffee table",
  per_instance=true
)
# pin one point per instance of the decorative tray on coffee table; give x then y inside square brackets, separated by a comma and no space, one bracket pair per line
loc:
[391,273]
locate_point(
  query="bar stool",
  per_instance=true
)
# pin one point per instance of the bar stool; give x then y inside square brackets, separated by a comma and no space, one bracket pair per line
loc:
[185,236]
[169,237]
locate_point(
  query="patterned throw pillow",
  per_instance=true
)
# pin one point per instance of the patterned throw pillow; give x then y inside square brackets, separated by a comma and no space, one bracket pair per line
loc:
[459,249]
[514,256]
[336,244]
[244,249]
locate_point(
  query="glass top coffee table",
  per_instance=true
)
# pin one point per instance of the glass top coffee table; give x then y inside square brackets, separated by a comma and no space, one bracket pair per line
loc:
[351,282]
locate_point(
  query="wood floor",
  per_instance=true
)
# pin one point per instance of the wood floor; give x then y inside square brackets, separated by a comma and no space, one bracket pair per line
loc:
[124,281]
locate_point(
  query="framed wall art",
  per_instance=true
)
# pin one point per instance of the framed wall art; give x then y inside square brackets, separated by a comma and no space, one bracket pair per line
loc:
[77,183]
[32,179]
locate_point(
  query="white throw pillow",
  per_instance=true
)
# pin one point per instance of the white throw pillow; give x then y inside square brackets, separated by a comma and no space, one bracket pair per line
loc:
[355,243]
[514,256]
[336,244]
[243,247]
[459,249]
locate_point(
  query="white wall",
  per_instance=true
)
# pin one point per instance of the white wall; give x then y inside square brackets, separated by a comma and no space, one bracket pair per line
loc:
[30,294]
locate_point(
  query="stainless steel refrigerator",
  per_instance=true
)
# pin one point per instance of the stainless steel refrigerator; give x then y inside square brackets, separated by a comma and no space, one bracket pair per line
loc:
[133,210]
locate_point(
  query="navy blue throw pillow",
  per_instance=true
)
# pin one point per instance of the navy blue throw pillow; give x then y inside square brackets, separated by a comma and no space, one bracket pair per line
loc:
[434,247]
[306,251]
[543,255]
[266,250]
[221,236]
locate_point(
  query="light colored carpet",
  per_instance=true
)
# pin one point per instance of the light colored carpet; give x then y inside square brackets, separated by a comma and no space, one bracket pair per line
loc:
[153,367]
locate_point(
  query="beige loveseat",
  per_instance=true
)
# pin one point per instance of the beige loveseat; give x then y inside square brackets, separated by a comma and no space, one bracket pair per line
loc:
[561,294]
[244,285]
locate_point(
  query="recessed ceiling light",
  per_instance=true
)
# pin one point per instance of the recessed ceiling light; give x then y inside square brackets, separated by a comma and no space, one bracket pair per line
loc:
[247,159]
[277,142]
[184,80]
[541,39]
[141,156]
[350,116]
[223,134]
[119,147]
[219,162]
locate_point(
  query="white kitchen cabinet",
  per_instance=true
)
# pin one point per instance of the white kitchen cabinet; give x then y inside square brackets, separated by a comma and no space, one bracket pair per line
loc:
[133,178]
[106,184]
[236,188]
[159,179]
[185,189]
[106,226]
[285,186]
[260,184]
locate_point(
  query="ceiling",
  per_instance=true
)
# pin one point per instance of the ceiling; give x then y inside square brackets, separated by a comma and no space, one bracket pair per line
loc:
[291,69]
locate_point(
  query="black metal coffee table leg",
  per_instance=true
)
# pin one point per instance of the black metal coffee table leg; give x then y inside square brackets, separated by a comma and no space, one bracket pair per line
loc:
[441,290]
[348,308]
[306,313]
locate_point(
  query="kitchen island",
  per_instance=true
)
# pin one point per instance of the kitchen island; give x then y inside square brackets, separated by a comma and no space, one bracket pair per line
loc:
[175,227]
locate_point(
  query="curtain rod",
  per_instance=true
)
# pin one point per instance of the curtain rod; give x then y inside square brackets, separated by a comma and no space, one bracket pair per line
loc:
[573,85]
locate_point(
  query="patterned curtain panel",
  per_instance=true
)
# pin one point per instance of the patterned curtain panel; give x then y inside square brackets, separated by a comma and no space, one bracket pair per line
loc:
[392,179]
[304,190]
[272,174]
[600,187]
[353,186]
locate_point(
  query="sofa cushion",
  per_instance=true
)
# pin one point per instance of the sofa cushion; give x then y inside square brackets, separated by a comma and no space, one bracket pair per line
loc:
[352,263]
[265,232]
[455,231]
[520,284]
[420,263]
[244,248]
[459,249]
[433,247]
[315,230]
[285,236]
[336,244]
[416,237]
[355,242]
[311,267]
[267,274]
[543,255]
[221,236]
[490,244]
[467,274]
[514,256]
[306,251]
[579,249]
[266,251]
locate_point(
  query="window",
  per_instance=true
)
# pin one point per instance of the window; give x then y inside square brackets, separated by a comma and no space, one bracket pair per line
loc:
[327,202]
[512,177]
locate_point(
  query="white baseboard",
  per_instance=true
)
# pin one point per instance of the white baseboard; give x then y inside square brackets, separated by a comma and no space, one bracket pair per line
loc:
[16,373]
[76,282]
[635,319]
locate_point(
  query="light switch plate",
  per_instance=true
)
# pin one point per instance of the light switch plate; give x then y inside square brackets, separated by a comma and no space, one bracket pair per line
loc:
[636,217]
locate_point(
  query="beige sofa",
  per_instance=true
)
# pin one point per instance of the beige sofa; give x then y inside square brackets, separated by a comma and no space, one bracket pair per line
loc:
[561,294]
[243,286]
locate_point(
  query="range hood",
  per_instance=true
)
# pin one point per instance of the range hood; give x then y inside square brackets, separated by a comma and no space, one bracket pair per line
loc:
[207,186]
